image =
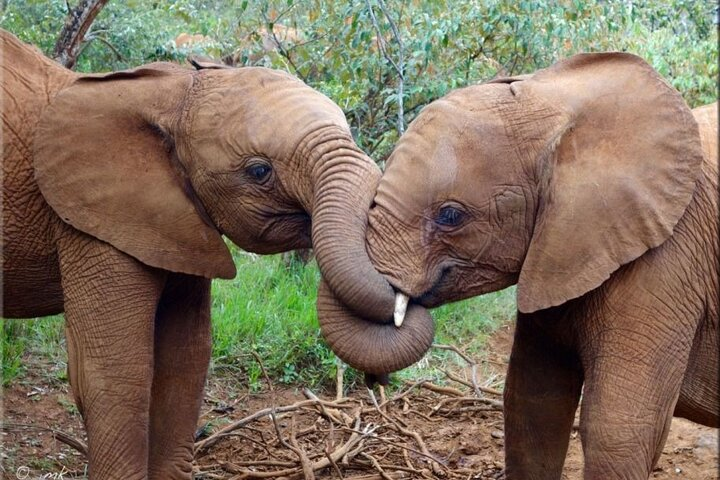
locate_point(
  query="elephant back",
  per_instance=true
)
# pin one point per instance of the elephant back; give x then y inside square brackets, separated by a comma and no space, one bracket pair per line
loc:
[707,119]
[30,80]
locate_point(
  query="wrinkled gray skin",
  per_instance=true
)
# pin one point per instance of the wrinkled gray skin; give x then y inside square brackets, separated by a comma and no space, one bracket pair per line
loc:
[116,191]
[594,188]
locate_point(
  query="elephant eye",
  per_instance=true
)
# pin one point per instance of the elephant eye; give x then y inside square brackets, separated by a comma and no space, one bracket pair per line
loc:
[449,216]
[259,172]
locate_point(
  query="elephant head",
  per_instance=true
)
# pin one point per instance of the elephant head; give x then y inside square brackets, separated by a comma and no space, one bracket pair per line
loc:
[161,161]
[551,181]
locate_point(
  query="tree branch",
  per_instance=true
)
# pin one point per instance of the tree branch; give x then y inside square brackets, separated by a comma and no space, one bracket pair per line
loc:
[72,35]
[400,65]
[270,25]
[94,36]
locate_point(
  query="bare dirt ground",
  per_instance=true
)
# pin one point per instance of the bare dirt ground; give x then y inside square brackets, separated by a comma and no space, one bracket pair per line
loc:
[421,432]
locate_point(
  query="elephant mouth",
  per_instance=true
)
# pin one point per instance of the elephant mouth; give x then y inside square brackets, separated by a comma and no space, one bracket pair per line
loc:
[300,224]
[433,297]
[283,232]
[451,286]
[430,299]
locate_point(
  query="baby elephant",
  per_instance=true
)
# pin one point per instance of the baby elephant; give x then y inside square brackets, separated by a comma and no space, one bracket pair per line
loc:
[593,187]
[117,192]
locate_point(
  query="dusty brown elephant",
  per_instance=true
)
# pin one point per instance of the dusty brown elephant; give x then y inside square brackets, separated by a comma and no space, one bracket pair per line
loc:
[590,186]
[117,191]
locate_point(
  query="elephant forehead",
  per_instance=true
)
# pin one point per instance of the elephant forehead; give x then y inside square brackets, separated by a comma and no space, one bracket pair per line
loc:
[267,90]
[448,153]
[258,111]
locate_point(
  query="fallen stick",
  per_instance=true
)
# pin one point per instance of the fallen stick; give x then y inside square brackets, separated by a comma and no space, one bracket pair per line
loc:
[340,368]
[398,467]
[205,474]
[405,392]
[423,416]
[264,372]
[453,348]
[297,473]
[444,390]
[331,414]
[484,408]
[393,476]
[59,435]
[333,463]
[376,466]
[235,467]
[308,472]
[262,445]
[395,423]
[494,403]
[212,439]
[455,378]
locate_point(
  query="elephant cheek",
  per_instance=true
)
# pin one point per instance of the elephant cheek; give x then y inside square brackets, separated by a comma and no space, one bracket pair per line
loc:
[395,255]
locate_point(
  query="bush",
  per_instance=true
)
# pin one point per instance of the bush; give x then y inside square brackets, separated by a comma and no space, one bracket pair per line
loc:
[333,46]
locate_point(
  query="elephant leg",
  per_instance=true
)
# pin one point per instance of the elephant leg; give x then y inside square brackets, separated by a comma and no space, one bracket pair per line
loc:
[110,303]
[182,355]
[541,395]
[633,376]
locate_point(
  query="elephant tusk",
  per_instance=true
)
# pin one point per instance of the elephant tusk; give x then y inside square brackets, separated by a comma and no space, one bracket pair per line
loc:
[401,303]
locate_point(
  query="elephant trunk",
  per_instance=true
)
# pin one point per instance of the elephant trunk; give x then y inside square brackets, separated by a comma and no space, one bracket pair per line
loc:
[356,303]
[345,184]
[371,347]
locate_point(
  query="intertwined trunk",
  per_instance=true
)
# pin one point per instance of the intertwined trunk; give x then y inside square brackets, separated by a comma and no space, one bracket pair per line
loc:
[355,302]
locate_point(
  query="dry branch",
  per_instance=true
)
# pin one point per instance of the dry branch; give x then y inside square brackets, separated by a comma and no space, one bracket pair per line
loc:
[302,472]
[377,466]
[59,435]
[455,378]
[494,404]
[331,414]
[350,439]
[212,439]
[453,348]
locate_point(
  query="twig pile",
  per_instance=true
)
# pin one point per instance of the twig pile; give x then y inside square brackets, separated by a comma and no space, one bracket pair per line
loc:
[347,438]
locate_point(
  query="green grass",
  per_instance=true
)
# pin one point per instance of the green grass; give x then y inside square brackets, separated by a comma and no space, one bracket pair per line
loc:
[269,309]
[41,337]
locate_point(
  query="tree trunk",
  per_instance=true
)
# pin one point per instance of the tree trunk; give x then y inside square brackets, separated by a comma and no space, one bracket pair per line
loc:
[72,36]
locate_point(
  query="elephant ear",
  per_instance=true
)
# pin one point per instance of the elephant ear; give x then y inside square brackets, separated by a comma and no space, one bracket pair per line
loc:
[200,62]
[105,161]
[622,157]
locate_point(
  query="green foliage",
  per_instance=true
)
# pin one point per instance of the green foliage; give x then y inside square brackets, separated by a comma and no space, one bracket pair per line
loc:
[13,345]
[35,21]
[446,44]
[43,338]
